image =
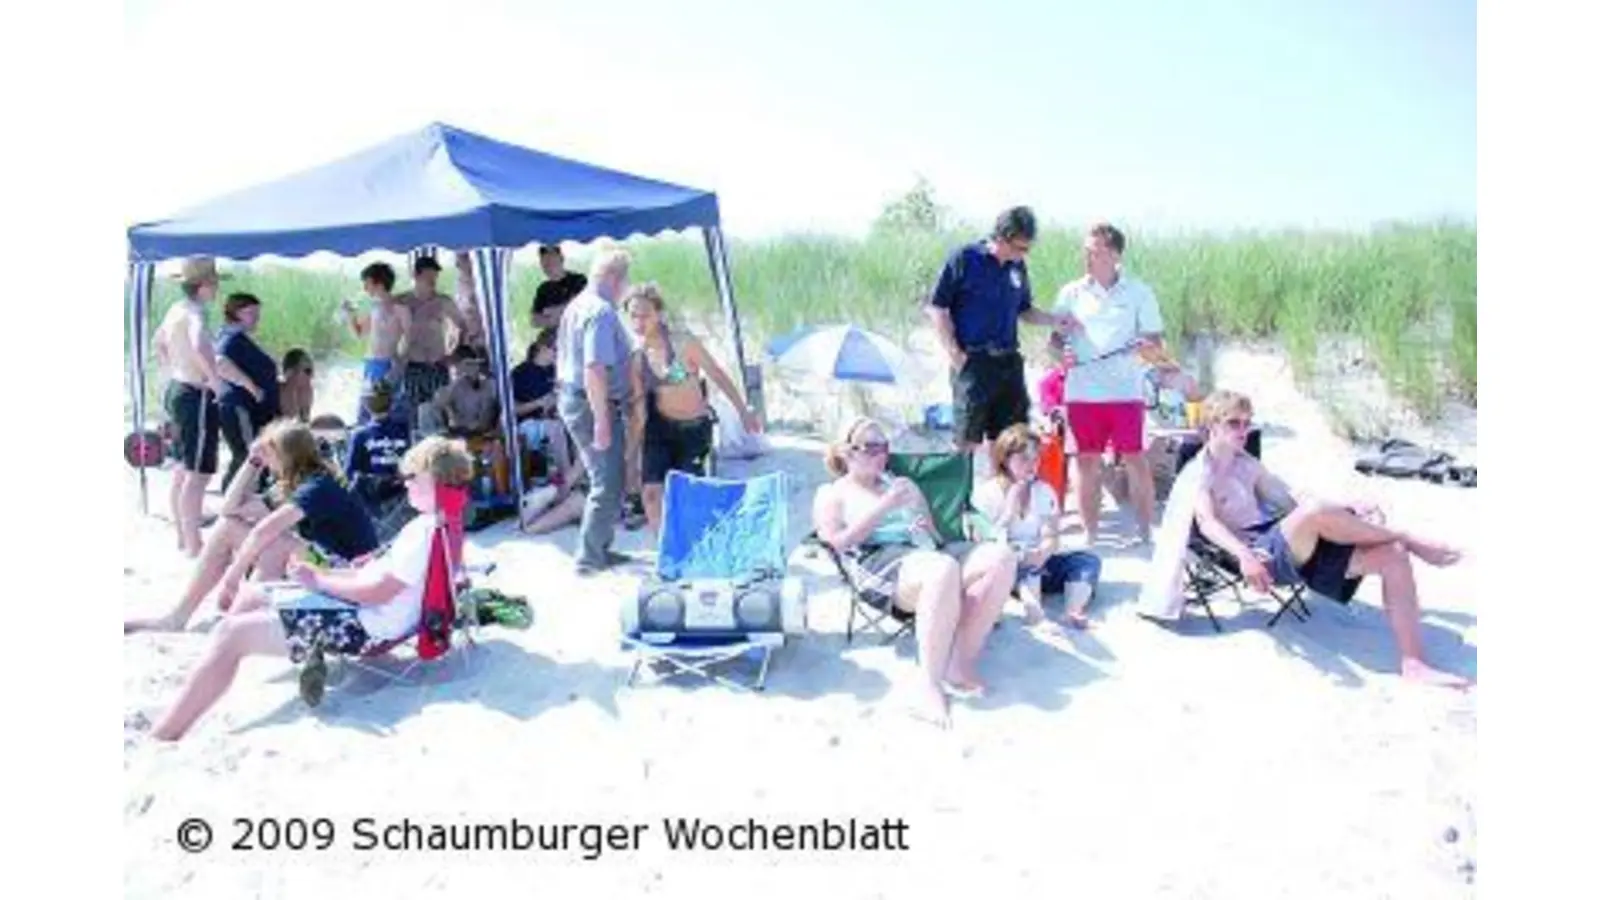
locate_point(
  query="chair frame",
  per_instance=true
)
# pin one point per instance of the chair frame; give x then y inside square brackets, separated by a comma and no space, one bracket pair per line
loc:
[691,658]
[464,626]
[1208,570]
[872,616]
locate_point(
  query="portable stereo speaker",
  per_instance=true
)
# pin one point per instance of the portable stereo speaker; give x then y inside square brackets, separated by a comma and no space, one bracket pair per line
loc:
[764,603]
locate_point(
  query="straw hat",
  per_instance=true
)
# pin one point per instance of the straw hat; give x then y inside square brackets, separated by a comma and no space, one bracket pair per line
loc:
[200,269]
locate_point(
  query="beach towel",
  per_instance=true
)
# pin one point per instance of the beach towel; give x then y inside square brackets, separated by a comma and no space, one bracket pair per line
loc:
[1162,594]
[723,529]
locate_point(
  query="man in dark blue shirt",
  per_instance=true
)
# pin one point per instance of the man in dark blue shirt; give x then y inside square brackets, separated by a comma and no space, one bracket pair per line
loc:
[982,292]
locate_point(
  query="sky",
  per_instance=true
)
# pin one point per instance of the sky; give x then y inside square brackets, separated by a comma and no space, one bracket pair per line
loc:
[810,116]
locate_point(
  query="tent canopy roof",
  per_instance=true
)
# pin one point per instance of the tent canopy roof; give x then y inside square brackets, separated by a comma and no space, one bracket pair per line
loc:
[438,185]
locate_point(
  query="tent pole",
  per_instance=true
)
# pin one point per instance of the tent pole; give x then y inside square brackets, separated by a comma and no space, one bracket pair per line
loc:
[140,278]
[717,252]
[491,273]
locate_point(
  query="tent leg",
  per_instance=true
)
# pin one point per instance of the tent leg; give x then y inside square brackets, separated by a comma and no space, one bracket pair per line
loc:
[491,272]
[717,254]
[141,276]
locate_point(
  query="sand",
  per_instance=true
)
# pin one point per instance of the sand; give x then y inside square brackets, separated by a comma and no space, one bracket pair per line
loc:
[1129,761]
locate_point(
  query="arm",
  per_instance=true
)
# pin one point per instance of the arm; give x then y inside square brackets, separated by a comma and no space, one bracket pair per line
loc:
[402,347]
[707,363]
[827,513]
[234,375]
[366,585]
[266,531]
[1275,492]
[940,302]
[636,399]
[204,353]
[357,322]
[243,487]
[1149,322]
[601,343]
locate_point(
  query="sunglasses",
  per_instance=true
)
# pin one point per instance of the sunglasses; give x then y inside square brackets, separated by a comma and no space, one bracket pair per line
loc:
[873,448]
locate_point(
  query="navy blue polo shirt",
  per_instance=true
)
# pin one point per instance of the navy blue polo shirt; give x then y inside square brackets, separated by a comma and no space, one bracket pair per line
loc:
[241,350]
[530,382]
[376,447]
[984,297]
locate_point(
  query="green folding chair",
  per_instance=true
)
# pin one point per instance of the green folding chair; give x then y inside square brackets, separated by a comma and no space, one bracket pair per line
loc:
[945,479]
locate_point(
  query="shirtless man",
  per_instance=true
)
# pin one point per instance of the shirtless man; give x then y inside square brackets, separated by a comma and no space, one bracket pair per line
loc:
[385,328]
[474,335]
[1277,539]
[468,403]
[427,348]
[188,358]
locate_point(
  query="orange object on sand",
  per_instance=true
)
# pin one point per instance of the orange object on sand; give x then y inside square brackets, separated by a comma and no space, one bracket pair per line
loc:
[1053,464]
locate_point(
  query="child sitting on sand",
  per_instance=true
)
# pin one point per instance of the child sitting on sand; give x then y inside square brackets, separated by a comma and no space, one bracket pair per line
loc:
[1023,509]
[347,611]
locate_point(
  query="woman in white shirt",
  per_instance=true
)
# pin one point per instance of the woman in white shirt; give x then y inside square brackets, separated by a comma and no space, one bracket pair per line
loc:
[1022,511]
[344,611]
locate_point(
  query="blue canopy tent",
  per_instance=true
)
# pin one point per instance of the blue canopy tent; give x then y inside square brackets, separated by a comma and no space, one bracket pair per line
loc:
[441,186]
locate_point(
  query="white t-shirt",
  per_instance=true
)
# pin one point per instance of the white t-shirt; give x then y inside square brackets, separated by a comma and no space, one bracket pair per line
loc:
[990,499]
[1111,319]
[407,562]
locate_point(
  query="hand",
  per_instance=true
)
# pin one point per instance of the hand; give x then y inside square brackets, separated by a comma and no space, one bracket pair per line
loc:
[1371,512]
[602,433]
[1036,557]
[1255,572]
[902,491]
[1143,342]
[363,559]
[958,359]
[303,574]
[752,425]
[255,393]
[1066,323]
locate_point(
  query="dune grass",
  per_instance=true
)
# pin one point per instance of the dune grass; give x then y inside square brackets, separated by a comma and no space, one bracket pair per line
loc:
[1407,292]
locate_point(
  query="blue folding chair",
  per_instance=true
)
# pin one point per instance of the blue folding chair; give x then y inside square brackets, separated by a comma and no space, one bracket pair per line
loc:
[720,589]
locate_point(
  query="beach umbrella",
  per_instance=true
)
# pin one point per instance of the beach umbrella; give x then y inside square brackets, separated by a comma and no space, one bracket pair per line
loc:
[843,353]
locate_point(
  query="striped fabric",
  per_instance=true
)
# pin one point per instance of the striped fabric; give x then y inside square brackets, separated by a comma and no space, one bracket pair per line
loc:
[717,255]
[491,271]
[141,277]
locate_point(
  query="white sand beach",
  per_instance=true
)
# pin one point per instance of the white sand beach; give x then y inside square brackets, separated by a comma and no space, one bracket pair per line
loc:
[1127,761]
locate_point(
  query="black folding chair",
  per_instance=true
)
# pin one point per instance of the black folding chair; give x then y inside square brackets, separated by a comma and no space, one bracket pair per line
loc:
[1209,570]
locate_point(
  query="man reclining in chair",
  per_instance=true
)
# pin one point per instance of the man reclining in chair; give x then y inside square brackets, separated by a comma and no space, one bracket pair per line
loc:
[309,506]
[1252,515]
[349,611]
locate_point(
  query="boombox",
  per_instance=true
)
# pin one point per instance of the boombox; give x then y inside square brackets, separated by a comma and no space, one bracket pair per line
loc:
[762,603]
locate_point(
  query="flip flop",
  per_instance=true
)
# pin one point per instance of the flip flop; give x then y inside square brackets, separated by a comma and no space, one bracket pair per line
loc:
[963,691]
[1464,476]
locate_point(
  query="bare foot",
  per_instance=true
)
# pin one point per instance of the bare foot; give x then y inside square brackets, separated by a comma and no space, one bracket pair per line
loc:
[1434,553]
[1419,672]
[1076,619]
[160,623]
[931,706]
[1032,613]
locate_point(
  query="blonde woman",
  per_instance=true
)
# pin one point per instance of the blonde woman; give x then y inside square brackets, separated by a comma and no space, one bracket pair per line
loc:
[882,527]
[346,611]
[671,419]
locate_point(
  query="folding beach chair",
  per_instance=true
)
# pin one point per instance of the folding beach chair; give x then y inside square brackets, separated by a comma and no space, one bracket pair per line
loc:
[946,481]
[438,624]
[1209,570]
[719,591]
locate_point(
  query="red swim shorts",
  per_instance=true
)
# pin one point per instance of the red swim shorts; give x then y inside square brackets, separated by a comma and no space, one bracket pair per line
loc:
[1097,426]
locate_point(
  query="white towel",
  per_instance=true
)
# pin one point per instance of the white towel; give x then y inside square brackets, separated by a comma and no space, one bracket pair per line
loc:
[1162,596]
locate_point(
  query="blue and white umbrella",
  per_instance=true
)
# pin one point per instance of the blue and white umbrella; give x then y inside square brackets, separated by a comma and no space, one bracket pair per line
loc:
[842,352]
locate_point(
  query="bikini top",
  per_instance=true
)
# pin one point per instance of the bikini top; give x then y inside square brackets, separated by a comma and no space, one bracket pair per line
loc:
[676,373]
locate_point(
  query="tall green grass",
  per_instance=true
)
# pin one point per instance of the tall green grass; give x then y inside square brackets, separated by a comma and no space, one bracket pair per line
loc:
[1407,292]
